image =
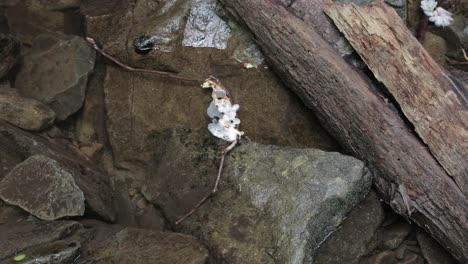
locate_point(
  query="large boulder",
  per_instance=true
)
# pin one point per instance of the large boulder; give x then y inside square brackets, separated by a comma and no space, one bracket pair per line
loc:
[92,181]
[56,72]
[44,188]
[23,112]
[138,104]
[275,204]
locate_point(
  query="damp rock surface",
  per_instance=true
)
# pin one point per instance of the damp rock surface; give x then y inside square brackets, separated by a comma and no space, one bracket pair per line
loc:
[131,245]
[56,72]
[44,188]
[92,181]
[25,113]
[275,204]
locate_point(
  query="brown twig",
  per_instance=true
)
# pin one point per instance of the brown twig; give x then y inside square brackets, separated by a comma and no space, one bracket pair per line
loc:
[464,54]
[129,68]
[215,188]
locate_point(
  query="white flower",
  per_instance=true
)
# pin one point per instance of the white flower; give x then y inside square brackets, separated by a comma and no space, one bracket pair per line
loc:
[428,6]
[228,134]
[223,113]
[441,17]
[212,110]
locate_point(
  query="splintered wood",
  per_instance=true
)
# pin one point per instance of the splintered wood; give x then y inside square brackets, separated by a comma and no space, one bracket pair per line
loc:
[431,101]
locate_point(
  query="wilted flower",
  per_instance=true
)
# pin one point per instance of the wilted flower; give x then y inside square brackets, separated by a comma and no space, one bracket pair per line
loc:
[222,111]
[441,17]
[428,6]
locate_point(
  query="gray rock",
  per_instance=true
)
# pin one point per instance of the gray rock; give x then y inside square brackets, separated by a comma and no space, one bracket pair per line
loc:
[56,193]
[56,72]
[148,247]
[20,236]
[275,204]
[9,53]
[204,27]
[356,237]
[431,250]
[25,113]
[93,182]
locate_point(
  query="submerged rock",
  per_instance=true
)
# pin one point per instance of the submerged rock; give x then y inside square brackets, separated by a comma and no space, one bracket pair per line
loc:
[356,237]
[432,251]
[204,27]
[25,113]
[29,18]
[56,72]
[20,236]
[275,204]
[44,188]
[94,183]
[9,53]
[141,246]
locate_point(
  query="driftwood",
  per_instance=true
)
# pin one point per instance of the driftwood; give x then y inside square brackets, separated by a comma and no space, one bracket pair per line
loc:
[350,106]
[433,103]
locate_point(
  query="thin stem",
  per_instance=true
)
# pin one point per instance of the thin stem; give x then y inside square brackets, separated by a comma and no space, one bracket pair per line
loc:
[421,33]
[129,68]
[215,188]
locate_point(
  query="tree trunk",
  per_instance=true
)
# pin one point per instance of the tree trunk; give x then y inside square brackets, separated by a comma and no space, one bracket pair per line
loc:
[356,113]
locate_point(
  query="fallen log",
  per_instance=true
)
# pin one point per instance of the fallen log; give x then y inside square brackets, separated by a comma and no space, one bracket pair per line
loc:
[433,103]
[351,107]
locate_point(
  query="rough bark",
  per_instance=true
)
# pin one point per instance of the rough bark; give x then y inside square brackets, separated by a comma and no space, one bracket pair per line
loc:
[352,109]
[433,103]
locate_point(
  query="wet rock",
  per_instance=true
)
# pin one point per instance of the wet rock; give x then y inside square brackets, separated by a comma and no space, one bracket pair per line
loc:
[90,126]
[57,193]
[275,204]
[57,252]
[56,72]
[356,237]
[394,235]
[204,27]
[436,46]
[432,251]
[91,150]
[93,182]
[28,19]
[142,246]
[127,193]
[19,236]
[58,4]
[7,3]
[385,257]
[11,214]
[9,53]
[269,112]
[26,113]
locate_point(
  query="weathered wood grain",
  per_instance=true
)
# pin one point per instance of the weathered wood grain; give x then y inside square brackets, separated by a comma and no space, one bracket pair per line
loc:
[352,109]
[433,103]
